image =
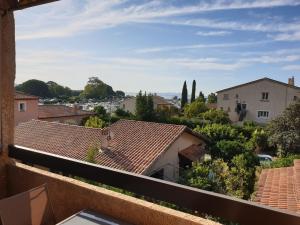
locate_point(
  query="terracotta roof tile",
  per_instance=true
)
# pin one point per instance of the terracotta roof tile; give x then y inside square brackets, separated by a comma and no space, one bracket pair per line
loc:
[53,111]
[23,96]
[193,152]
[134,146]
[279,188]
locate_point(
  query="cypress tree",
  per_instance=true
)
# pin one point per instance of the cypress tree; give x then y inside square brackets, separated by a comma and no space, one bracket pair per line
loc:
[201,97]
[184,95]
[193,91]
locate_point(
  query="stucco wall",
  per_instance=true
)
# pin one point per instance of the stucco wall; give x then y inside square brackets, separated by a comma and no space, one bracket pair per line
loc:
[169,160]
[69,196]
[30,113]
[280,97]
[128,105]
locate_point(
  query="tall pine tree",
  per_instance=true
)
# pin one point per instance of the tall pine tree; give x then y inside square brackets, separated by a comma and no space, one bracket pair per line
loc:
[184,95]
[193,91]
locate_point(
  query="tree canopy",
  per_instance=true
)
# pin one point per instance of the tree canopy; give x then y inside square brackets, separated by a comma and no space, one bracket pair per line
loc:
[201,97]
[212,98]
[195,108]
[193,96]
[97,89]
[184,95]
[35,87]
[284,131]
[144,107]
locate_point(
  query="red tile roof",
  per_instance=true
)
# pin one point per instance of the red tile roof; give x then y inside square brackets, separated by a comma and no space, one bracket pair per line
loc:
[23,96]
[135,145]
[280,188]
[55,111]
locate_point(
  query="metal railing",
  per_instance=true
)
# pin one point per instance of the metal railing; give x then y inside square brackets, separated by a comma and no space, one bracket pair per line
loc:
[218,205]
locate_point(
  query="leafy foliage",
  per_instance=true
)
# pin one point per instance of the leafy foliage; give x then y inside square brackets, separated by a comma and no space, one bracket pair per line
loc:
[184,95]
[100,111]
[122,113]
[35,87]
[193,91]
[97,89]
[282,162]
[216,116]
[285,130]
[212,98]
[226,149]
[91,154]
[58,91]
[94,122]
[144,107]
[195,108]
[201,97]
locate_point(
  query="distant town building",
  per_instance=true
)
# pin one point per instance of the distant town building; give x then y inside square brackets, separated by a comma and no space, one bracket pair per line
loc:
[152,149]
[62,114]
[27,108]
[260,100]
[158,101]
[280,188]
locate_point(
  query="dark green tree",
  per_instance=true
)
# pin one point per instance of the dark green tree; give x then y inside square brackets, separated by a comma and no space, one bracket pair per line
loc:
[144,107]
[201,96]
[59,91]
[184,95]
[193,96]
[284,131]
[97,89]
[212,98]
[35,87]
[100,111]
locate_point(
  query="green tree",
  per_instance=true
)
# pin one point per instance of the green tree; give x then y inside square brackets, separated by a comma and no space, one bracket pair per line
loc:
[212,98]
[94,122]
[122,113]
[193,96]
[58,91]
[100,111]
[195,109]
[91,154]
[97,89]
[120,94]
[184,95]
[201,96]
[35,87]
[226,149]
[144,107]
[284,131]
[216,116]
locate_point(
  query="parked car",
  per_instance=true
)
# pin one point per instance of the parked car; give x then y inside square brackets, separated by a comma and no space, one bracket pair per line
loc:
[263,159]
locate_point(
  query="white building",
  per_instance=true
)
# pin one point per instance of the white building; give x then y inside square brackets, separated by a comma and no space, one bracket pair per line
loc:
[260,100]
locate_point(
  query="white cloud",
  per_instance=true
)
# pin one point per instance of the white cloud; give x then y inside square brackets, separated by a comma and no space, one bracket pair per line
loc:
[83,16]
[213,33]
[292,67]
[294,36]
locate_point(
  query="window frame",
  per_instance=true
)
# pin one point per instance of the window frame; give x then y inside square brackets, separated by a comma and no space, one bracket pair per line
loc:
[262,114]
[25,106]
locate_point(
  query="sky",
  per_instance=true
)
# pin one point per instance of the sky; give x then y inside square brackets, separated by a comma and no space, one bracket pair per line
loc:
[156,45]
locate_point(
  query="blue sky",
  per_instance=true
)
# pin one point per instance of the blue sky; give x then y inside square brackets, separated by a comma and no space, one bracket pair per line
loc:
[156,45]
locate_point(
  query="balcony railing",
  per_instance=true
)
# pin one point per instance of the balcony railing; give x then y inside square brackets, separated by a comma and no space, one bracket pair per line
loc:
[228,208]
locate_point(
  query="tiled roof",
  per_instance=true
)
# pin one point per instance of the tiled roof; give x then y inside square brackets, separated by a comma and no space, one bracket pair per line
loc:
[23,96]
[135,145]
[193,152]
[54,111]
[280,187]
[57,138]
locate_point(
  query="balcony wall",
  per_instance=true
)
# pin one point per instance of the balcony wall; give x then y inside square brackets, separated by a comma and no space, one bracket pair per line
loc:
[69,196]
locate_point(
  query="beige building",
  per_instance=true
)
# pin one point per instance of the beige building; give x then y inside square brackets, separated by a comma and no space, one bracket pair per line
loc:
[25,107]
[260,100]
[152,149]
[159,104]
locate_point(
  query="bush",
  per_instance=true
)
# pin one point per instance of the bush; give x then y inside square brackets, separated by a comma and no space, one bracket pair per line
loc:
[195,108]
[282,162]
[94,122]
[226,149]
[122,113]
[216,116]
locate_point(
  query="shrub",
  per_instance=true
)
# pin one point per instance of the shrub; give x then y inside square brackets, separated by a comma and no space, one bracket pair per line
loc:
[216,116]
[94,122]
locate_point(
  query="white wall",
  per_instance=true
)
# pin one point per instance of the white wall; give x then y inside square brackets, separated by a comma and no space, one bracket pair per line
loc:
[169,160]
[280,96]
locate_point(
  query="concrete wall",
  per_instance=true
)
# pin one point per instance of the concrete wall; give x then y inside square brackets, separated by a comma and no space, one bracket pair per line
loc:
[30,113]
[280,96]
[128,105]
[69,196]
[169,160]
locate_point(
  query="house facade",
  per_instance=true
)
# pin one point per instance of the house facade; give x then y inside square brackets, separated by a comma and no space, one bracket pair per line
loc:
[259,101]
[159,104]
[25,107]
[152,149]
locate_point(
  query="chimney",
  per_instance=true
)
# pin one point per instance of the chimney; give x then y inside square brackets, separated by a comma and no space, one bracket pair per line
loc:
[292,81]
